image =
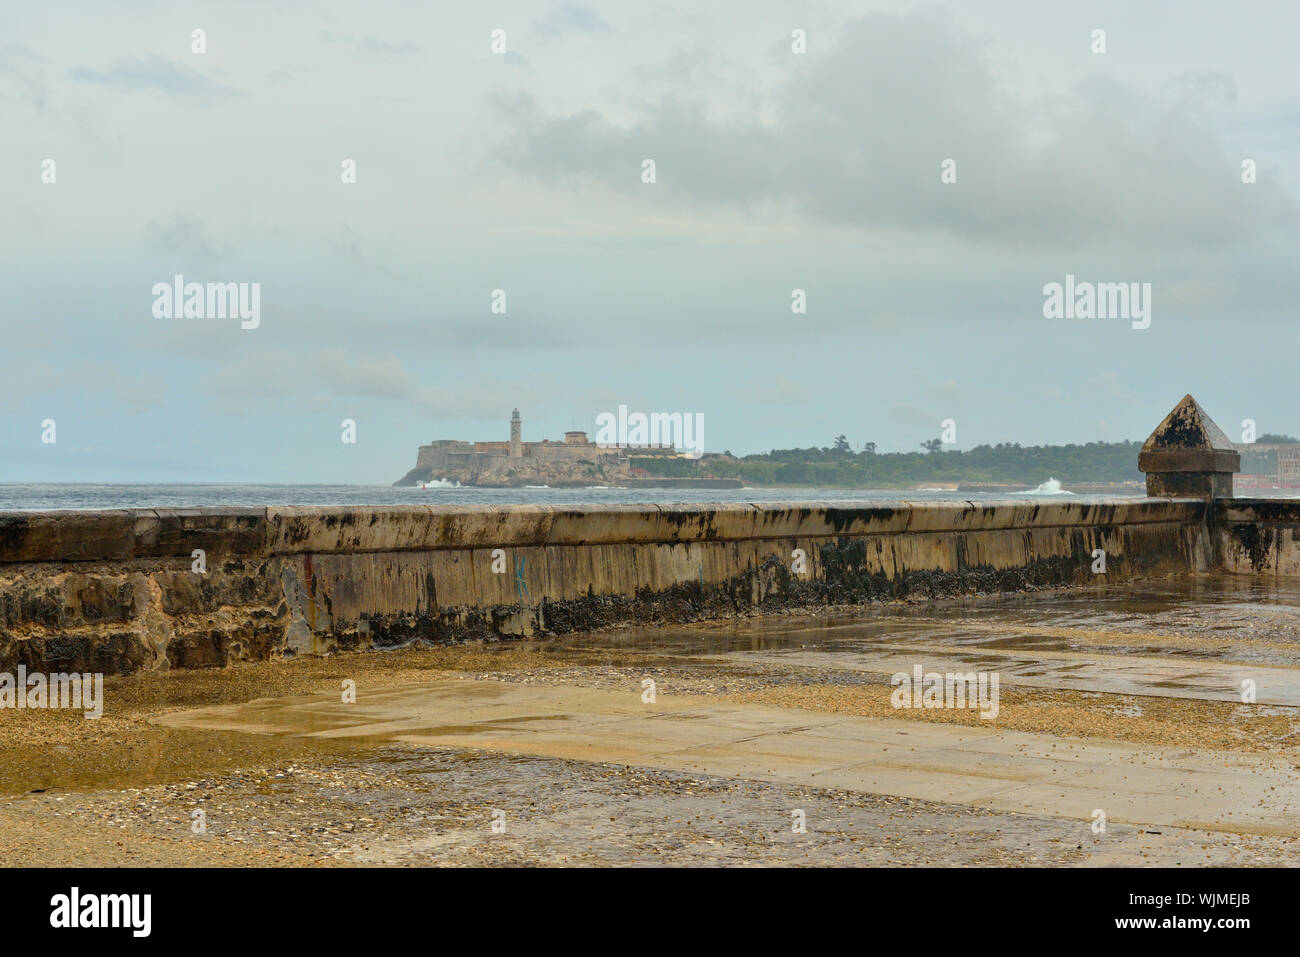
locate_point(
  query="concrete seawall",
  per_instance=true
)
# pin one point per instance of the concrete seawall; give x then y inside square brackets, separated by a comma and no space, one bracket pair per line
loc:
[1258,537]
[117,591]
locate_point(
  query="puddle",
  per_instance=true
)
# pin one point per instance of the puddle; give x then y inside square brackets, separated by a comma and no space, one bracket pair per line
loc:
[1122,639]
[408,779]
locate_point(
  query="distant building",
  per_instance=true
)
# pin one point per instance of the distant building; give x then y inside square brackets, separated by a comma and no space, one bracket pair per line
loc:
[576,462]
[1288,464]
[453,455]
[1268,464]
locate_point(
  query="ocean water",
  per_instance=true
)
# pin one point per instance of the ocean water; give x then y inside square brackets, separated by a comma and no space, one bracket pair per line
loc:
[30,497]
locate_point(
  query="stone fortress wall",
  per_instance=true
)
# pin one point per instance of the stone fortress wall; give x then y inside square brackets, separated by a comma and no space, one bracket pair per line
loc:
[455,458]
[120,591]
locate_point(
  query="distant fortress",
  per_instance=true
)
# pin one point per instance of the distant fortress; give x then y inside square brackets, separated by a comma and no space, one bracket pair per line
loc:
[574,462]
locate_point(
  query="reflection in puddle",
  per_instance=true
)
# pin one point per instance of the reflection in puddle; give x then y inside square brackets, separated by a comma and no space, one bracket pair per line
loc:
[1121,639]
[1136,616]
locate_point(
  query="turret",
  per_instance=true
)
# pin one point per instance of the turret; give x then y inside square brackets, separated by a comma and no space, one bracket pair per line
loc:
[1188,455]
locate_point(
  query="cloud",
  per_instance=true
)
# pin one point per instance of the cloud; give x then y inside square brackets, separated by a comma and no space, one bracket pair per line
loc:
[184,238]
[569,18]
[370,45]
[273,373]
[857,136]
[776,171]
[155,74]
[320,378]
[22,73]
[27,383]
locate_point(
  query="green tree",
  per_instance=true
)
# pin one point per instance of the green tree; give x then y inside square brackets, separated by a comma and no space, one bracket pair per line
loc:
[796,473]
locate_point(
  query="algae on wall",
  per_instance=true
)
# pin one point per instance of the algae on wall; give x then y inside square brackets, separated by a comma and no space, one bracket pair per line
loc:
[118,591]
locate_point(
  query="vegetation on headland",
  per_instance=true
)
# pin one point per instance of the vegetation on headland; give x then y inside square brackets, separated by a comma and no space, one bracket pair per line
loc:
[839,466]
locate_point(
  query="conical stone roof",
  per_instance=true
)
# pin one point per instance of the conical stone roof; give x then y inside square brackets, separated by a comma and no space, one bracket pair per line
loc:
[1188,441]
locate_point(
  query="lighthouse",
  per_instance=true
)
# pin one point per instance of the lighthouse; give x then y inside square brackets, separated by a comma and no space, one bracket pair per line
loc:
[516,429]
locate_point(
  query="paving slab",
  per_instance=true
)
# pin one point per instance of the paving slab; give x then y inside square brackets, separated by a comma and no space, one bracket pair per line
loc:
[985,767]
[1165,677]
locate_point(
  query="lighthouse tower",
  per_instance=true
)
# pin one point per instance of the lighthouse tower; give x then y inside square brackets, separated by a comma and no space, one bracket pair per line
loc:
[516,427]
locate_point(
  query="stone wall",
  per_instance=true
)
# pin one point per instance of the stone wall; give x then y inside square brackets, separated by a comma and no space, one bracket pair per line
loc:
[115,591]
[1258,537]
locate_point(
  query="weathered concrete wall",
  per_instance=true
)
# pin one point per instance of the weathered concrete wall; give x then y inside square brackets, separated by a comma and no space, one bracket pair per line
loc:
[115,591]
[1258,537]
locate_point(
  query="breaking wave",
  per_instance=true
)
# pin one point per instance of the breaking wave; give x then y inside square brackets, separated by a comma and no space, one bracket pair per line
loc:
[1050,487]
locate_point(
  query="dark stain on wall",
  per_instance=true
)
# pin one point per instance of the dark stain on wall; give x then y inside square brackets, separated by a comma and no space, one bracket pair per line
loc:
[117,616]
[1255,542]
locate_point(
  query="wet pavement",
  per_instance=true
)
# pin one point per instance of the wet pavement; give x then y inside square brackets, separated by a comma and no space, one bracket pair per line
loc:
[1201,638]
[1207,617]
[984,766]
[767,741]
[435,807]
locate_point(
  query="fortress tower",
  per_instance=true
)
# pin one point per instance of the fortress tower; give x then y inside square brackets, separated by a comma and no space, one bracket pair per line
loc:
[516,427]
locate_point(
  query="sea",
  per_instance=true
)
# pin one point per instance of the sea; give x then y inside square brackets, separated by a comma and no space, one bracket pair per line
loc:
[40,497]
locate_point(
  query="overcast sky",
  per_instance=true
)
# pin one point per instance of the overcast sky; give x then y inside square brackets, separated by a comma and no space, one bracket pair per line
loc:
[522,171]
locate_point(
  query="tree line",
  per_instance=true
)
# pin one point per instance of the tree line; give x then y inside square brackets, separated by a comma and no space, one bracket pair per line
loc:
[1006,463]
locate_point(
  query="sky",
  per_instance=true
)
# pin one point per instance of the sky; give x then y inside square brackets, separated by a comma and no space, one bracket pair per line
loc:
[523,170]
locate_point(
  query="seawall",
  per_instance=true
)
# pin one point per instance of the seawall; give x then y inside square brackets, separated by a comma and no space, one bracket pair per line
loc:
[1258,537]
[119,591]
